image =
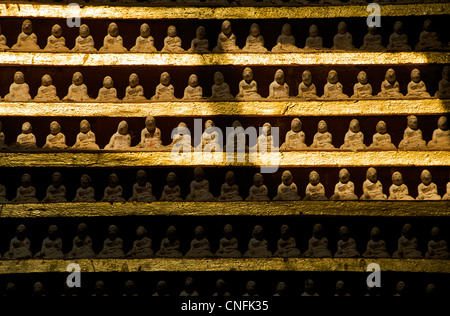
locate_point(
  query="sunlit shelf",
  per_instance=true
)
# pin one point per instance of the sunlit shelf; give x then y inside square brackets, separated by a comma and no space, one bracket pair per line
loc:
[224,264]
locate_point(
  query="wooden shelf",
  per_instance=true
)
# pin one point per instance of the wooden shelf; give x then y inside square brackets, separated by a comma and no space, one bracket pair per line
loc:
[298,208]
[224,264]
[287,12]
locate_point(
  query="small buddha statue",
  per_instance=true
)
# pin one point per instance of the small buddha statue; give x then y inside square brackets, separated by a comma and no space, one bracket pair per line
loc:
[142,246]
[82,244]
[428,40]
[2,138]
[412,137]
[47,91]
[444,84]
[407,245]
[398,41]
[333,88]
[172,43]
[220,89]
[376,247]
[372,41]
[165,90]
[3,46]
[258,191]
[362,89]
[255,41]
[200,44]
[19,91]
[84,43]
[130,289]
[437,247]
[38,290]
[134,92]
[257,247]
[354,138]
[210,141]
[121,140]
[107,93]
[193,91]
[56,192]
[171,191]
[427,190]
[162,289]
[26,140]
[85,193]
[265,142]
[145,43]
[235,140]
[52,245]
[150,135]
[306,88]
[200,247]
[309,289]
[346,246]
[295,138]
[343,40]
[341,289]
[318,244]
[19,247]
[416,87]
[322,139]
[170,245]
[381,140]
[441,136]
[228,245]
[3,199]
[229,191]
[27,40]
[286,41]
[286,246]
[142,189]
[113,192]
[10,290]
[398,190]
[100,289]
[248,88]
[199,188]
[287,190]
[278,89]
[56,42]
[189,289]
[26,193]
[315,191]
[226,41]
[344,189]
[78,90]
[250,289]
[280,289]
[85,138]
[221,289]
[113,42]
[372,187]
[112,246]
[390,87]
[56,139]
[313,41]
[447,194]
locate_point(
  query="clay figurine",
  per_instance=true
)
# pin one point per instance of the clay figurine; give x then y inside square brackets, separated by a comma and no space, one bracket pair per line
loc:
[171,192]
[112,247]
[82,244]
[84,43]
[3,46]
[226,41]
[56,192]
[26,140]
[318,244]
[412,137]
[142,246]
[344,189]
[210,141]
[47,91]
[199,188]
[346,246]
[250,289]
[200,44]
[172,43]
[280,289]
[38,290]
[341,289]
[255,41]
[134,92]
[18,90]
[162,289]
[286,246]
[428,40]
[56,139]
[56,42]
[315,191]
[313,41]
[444,84]
[286,41]
[447,194]
[354,138]
[85,138]
[85,193]
[26,193]
[170,246]
[189,289]
[236,142]
[100,289]
[372,187]
[376,247]
[19,247]
[142,189]
[398,41]
[343,40]
[306,88]
[200,247]
[333,88]
[193,91]
[309,289]
[257,247]
[362,89]
[258,191]
[381,140]
[113,192]
[221,289]
[78,90]
[130,289]
[229,191]
[398,190]
[372,41]
[437,247]
[27,40]
[144,42]
[278,89]
[248,88]
[220,89]
[52,245]
[441,136]
[107,93]
[164,90]
[322,139]
[121,140]
[2,138]
[3,199]
[407,245]
[150,135]
[427,190]
[265,142]
[287,190]
[416,87]
[113,42]
[228,245]
[295,138]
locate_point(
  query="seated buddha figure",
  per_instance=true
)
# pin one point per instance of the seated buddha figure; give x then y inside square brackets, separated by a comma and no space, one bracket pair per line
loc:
[56,192]
[47,91]
[441,136]
[444,84]
[107,93]
[220,89]
[142,246]
[18,90]
[170,245]
[344,189]
[3,198]
[164,90]
[428,40]
[354,138]
[19,247]
[314,41]
[255,41]
[407,245]
[82,244]
[150,135]
[113,245]
[27,40]
[346,246]
[372,41]
[134,92]
[427,190]
[52,245]
[193,91]
[84,43]
[145,43]
[85,138]
[295,138]
[3,144]
[381,140]
[279,89]
[78,91]
[113,192]
[210,140]
[121,140]
[322,139]
[258,191]
[398,190]
[416,87]
[85,193]
[56,139]
[333,88]
[286,41]
[315,191]
[26,193]
[248,88]
[437,247]
[171,191]
[362,89]
[229,191]
[376,247]
[3,46]
[412,137]
[200,247]
[372,187]
[56,42]
[306,88]
[172,43]
[26,140]
[317,244]
[228,245]
[343,40]
[142,189]
[200,44]
[286,245]
[287,190]
[257,246]
[199,188]
[113,42]
[390,87]
[447,194]
[226,41]
[398,41]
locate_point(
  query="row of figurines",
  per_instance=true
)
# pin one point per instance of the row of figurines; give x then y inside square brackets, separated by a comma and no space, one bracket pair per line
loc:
[248,88]
[212,142]
[228,245]
[229,191]
[226,41]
